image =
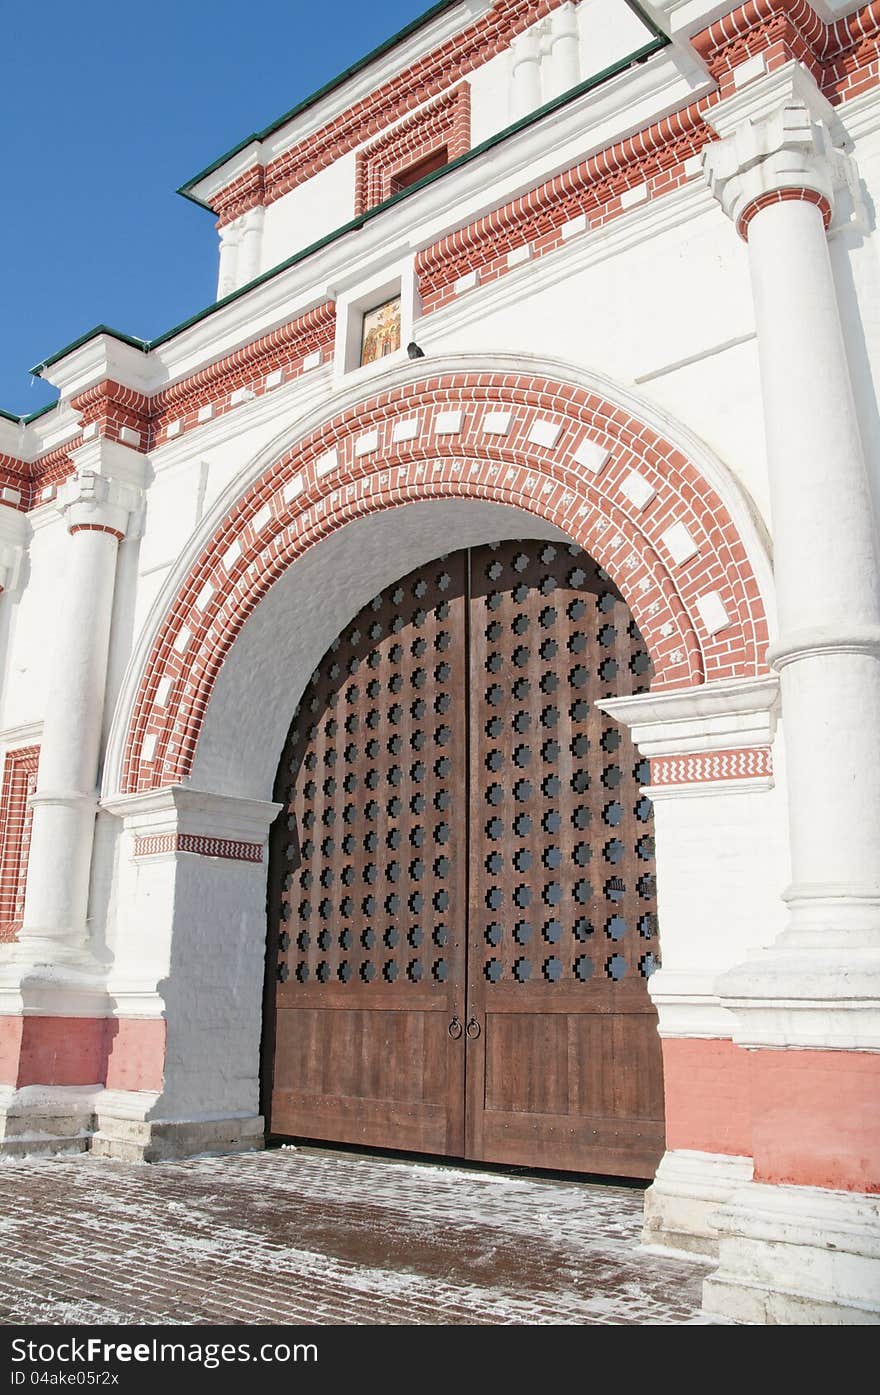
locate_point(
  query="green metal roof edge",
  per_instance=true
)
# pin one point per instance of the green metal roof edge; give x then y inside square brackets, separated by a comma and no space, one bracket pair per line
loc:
[28,417]
[314,97]
[638,55]
[142,344]
[309,101]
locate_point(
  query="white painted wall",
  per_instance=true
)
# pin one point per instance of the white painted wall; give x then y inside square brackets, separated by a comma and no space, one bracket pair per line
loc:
[325,202]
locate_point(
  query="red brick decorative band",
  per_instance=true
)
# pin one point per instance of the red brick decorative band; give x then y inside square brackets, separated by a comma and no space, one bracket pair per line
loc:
[553,449]
[97,528]
[150,845]
[782,196]
[749,763]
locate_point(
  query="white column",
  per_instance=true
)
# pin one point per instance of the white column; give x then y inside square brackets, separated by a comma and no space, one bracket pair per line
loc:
[562,64]
[230,236]
[97,506]
[251,245]
[525,73]
[776,173]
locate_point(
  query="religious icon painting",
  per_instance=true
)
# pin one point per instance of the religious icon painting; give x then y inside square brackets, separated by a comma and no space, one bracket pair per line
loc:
[381,331]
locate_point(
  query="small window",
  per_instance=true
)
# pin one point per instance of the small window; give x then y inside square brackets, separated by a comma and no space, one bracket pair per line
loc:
[405,178]
[381,331]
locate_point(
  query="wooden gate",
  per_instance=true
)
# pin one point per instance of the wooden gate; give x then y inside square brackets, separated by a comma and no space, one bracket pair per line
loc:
[462,894]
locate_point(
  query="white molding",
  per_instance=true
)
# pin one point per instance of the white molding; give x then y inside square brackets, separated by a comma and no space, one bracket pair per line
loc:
[180,809]
[292,399]
[22,734]
[732,713]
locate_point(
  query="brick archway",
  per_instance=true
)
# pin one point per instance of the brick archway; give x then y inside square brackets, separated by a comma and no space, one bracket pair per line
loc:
[564,453]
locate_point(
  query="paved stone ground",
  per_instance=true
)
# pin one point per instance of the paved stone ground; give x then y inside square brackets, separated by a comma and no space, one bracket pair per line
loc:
[310,1236]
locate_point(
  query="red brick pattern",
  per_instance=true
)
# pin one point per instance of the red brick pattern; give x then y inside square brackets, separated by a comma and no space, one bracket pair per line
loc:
[16,817]
[446,123]
[842,55]
[427,78]
[748,763]
[655,156]
[264,533]
[284,350]
[108,409]
[782,196]
[150,845]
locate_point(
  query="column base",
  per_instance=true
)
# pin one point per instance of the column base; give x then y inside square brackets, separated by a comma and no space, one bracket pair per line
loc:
[37,1120]
[796,1255]
[123,1130]
[681,1203]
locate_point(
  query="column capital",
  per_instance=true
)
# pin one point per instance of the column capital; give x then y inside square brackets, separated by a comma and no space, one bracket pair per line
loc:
[106,492]
[780,140]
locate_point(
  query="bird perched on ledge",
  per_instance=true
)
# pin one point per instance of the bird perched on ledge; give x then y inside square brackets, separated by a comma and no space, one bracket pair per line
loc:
[414,351]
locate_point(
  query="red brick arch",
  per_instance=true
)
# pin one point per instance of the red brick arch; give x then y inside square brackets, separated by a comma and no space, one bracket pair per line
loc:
[499,437]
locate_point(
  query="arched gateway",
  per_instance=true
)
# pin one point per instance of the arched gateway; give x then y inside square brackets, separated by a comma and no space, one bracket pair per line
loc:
[430,596]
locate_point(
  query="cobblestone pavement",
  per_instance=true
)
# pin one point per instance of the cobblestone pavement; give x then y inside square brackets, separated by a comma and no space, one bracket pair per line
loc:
[305,1235]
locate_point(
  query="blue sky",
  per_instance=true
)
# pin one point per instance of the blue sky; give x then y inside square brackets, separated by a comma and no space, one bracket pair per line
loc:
[106,107]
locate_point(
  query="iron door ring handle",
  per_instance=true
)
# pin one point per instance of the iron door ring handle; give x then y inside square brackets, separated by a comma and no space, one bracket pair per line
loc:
[454,1029]
[473,1029]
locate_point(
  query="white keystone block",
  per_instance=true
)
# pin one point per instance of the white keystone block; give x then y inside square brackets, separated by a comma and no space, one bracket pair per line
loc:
[9,495]
[405,430]
[173,429]
[367,444]
[182,642]
[630,197]
[90,431]
[712,612]
[312,361]
[260,519]
[497,423]
[242,394]
[48,493]
[291,490]
[448,423]
[545,432]
[517,255]
[205,413]
[467,283]
[129,436]
[148,748]
[745,73]
[163,691]
[693,165]
[679,543]
[592,456]
[574,227]
[273,380]
[638,490]
[204,597]
[231,556]
[327,462]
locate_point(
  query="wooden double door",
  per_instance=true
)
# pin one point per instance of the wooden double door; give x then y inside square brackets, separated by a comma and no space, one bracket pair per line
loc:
[462,916]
